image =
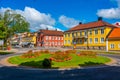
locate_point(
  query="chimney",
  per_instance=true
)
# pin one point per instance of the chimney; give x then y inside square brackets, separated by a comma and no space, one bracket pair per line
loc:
[46,28]
[56,29]
[80,23]
[117,24]
[99,18]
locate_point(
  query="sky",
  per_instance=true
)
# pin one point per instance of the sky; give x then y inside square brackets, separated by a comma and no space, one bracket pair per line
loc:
[63,14]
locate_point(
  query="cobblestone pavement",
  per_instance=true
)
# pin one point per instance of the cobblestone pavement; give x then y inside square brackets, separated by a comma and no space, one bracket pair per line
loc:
[111,72]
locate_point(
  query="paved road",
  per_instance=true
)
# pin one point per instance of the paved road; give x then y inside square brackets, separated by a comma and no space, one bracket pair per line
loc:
[104,73]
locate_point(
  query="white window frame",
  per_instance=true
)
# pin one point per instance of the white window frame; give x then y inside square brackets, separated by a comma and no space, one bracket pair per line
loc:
[85,41]
[80,41]
[112,46]
[47,38]
[90,41]
[95,40]
[101,31]
[58,43]
[118,45]
[80,33]
[95,31]
[90,32]
[68,41]
[101,40]
[85,33]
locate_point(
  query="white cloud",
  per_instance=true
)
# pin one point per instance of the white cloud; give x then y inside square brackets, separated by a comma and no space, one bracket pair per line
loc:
[112,13]
[68,22]
[36,19]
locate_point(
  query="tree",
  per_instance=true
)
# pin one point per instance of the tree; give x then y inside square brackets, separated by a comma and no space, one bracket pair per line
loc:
[11,23]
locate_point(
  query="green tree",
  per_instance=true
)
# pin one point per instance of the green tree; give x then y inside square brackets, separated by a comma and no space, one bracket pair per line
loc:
[11,23]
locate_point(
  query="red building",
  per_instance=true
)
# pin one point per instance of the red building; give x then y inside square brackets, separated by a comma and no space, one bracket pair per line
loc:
[50,38]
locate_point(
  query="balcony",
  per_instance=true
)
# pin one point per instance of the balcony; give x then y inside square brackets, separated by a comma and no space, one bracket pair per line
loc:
[81,36]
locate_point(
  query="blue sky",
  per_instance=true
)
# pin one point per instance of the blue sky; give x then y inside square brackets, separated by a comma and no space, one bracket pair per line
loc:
[63,14]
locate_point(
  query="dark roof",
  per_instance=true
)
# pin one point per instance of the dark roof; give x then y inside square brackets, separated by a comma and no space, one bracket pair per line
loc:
[52,32]
[90,25]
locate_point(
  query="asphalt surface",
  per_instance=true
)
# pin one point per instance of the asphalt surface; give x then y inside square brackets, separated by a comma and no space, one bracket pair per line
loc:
[101,73]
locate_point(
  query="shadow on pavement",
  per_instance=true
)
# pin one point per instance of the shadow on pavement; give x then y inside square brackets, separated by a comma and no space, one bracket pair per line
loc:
[105,73]
[36,64]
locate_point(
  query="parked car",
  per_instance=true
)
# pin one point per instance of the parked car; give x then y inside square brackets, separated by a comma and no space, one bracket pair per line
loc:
[27,44]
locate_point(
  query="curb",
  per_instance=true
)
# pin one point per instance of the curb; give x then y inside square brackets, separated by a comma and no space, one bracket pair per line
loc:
[6,63]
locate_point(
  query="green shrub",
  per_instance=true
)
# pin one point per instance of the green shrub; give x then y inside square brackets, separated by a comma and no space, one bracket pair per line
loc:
[46,63]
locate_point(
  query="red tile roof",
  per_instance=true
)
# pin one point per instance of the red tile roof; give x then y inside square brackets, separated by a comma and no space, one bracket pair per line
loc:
[115,33]
[52,32]
[96,24]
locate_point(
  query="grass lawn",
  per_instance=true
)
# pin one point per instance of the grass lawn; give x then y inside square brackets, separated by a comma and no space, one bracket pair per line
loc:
[5,53]
[103,52]
[74,62]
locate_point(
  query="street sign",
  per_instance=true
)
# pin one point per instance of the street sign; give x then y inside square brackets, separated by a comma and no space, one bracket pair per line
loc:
[1,42]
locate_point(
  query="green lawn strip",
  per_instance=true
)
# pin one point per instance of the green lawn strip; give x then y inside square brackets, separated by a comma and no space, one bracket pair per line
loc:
[75,61]
[102,52]
[5,53]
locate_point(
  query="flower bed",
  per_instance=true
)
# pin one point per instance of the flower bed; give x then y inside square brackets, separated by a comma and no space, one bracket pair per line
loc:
[87,53]
[30,54]
[61,56]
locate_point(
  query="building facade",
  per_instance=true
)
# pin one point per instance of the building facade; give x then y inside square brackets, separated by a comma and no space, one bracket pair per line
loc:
[114,40]
[50,38]
[91,35]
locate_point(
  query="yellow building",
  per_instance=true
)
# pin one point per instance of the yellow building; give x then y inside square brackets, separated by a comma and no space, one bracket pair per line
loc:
[113,41]
[88,36]
[30,37]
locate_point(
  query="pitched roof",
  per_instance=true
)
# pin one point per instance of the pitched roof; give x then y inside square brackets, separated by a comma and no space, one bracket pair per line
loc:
[115,33]
[52,32]
[96,24]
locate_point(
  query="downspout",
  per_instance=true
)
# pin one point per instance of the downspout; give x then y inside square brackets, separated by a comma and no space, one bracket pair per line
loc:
[107,44]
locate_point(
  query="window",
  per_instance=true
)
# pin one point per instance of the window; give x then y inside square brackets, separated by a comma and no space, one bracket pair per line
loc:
[68,34]
[76,34]
[65,35]
[53,38]
[65,42]
[96,40]
[112,46]
[58,43]
[85,33]
[85,41]
[90,32]
[68,41]
[72,34]
[52,43]
[96,31]
[61,43]
[56,38]
[81,33]
[46,43]
[90,40]
[61,38]
[46,37]
[49,37]
[55,43]
[80,40]
[102,40]
[102,31]
[118,45]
